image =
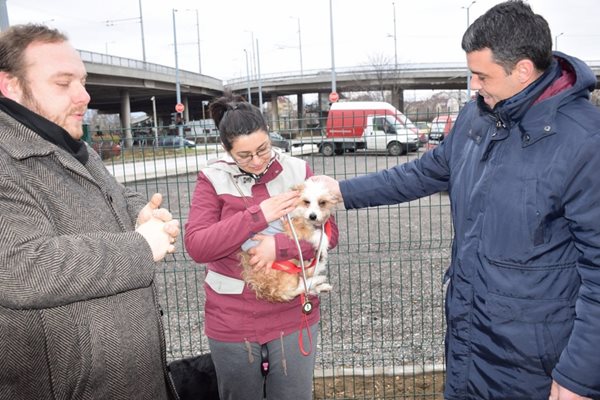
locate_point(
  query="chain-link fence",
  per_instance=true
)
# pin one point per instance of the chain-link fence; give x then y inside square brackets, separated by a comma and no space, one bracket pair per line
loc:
[382,326]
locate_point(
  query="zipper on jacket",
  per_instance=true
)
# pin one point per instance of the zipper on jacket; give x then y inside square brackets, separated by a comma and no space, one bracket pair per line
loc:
[498,125]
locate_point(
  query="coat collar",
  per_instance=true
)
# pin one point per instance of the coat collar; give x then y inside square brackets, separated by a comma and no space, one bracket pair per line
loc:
[533,110]
[45,128]
[228,165]
[21,143]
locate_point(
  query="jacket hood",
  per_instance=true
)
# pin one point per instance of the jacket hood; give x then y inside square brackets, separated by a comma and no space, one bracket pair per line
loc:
[228,165]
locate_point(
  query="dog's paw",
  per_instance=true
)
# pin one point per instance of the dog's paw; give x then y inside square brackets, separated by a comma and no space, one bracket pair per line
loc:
[324,287]
[319,284]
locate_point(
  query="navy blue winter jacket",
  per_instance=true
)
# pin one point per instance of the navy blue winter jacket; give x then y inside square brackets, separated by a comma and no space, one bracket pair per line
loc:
[523,302]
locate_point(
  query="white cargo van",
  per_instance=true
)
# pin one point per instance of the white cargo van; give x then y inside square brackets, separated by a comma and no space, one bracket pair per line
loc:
[370,125]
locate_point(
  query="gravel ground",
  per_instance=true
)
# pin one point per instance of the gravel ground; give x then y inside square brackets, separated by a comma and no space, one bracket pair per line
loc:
[385,314]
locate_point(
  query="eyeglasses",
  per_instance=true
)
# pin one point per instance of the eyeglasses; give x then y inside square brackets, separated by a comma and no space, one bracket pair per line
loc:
[246,158]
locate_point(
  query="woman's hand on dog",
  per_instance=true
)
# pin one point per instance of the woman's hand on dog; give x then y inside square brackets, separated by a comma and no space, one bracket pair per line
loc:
[263,254]
[277,206]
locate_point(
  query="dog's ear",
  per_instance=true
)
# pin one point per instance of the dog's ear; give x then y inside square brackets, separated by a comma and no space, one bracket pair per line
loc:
[335,199]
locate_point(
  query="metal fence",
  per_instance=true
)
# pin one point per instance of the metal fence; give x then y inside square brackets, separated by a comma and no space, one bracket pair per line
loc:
[382,326]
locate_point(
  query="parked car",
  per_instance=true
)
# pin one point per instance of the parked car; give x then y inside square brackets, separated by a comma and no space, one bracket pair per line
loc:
[174,141]
[423,129]
[441,126]
[279,141]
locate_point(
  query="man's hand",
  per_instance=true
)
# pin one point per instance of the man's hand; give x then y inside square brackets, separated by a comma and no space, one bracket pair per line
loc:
[331,184]
[153,210]
[160,236]
[558,392]
[263,254]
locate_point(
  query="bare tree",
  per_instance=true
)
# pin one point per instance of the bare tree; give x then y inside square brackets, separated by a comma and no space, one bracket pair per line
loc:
[379,67]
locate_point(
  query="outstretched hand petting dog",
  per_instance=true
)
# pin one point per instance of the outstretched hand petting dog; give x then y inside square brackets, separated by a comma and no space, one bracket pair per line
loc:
[332,185]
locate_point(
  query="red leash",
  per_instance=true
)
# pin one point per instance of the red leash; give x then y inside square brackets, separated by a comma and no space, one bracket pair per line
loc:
[307,307]
[302,323]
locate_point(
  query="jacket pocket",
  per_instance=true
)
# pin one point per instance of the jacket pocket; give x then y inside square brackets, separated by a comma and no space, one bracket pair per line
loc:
[533,333]
[531,289]
[527,310]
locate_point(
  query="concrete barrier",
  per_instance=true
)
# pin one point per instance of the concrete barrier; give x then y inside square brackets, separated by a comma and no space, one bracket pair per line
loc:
[183,164]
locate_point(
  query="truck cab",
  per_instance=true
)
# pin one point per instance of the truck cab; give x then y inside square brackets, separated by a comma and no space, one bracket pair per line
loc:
[385,133]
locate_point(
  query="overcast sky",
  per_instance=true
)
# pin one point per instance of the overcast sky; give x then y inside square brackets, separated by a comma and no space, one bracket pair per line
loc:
[426,30]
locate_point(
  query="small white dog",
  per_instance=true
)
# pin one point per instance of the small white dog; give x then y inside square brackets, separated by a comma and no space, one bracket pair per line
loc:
[283,281]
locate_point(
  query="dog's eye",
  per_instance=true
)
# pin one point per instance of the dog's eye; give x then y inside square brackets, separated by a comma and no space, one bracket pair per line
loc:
[306,202]
[322,203]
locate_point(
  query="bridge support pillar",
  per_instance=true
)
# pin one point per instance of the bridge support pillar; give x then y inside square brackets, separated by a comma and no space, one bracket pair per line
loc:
[300,112]
[186,111]
[125,116]
[398,98]
[274,112]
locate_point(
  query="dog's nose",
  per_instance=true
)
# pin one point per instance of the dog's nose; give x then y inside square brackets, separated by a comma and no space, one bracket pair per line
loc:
[312,216]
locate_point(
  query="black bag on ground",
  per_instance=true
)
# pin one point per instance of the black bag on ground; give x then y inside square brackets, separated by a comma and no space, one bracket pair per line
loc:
[195,378]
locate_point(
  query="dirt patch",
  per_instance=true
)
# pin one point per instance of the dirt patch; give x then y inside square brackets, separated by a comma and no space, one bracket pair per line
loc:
[426,386]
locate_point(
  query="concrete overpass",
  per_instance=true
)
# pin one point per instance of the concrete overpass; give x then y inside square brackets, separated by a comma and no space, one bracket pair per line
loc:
[121,85]
[116,83]
[112,81]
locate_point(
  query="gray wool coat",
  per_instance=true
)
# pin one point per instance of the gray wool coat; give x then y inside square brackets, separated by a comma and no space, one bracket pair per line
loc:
[79,317]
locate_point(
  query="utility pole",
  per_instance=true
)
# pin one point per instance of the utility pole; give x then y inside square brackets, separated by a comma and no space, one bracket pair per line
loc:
[198,37]
[468,70]
[395,39]
[142,28]
[333,85]
[177,83]
[260,98]
[248,78]
[3,16]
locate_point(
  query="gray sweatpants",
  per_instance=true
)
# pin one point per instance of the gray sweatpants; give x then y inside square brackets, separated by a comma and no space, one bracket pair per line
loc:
[290,372]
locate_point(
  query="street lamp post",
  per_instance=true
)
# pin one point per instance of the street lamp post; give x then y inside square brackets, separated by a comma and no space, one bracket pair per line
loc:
[155,121]
[198,37]
[106,46]
[248,78]
[333,85]
[177,83]
[395,39]
[468,69]
[142,28]
[4,24]
[252,55]
[556,40]
[260,98]
[300,47]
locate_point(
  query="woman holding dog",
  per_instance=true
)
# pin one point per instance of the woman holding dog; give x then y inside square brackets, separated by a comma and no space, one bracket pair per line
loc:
[236,198]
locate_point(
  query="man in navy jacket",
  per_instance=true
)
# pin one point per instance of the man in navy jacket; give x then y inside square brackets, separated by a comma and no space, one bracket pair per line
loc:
[521,166]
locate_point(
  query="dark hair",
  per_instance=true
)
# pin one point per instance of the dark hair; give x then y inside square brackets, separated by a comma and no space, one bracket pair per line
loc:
[17,38]
[234,117]
[512,32]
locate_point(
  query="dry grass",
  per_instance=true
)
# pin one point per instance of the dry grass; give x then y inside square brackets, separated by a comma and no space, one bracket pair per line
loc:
[425,386]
